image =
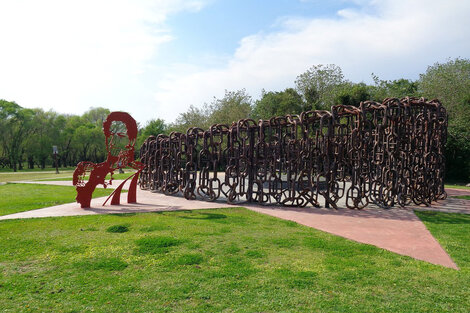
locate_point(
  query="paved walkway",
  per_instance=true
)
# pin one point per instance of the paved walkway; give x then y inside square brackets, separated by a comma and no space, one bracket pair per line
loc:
[397,230]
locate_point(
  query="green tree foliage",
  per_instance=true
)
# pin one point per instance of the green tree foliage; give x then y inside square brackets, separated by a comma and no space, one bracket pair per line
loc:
[351,94]
[96,115]
[15,127]
[88,143]
[29,134]
[45,134]
[277,103]
[235,105]
[450,83]
[152,128]
[392,88]
[318,86]
[194,117]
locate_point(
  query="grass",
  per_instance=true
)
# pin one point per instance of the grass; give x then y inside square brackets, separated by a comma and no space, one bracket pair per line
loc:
[33,175]
[49,174]
[456,186]
[452,230]
[220,260]
[24,197]
[108,177]
[462,197]
[36,169]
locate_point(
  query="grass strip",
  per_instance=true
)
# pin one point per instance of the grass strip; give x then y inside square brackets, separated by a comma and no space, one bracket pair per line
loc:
[24,197]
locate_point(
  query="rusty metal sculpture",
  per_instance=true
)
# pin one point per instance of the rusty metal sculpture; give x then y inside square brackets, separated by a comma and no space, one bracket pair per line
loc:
[116,158]
[381,153]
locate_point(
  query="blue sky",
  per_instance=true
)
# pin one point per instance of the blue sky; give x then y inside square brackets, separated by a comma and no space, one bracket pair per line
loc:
[155,58]
[218,28]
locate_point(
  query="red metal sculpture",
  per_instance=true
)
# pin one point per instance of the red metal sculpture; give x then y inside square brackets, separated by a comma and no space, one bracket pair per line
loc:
[117,158]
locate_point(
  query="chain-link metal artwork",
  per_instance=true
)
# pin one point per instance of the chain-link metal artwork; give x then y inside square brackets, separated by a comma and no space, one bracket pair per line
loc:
[382,153]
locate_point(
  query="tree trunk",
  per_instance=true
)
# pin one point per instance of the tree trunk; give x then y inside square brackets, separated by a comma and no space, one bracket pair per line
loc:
[30,162]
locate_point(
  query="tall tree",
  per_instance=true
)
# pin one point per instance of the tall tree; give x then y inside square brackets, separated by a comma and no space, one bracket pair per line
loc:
[317,85]
[15,126]
[277,103]
[450,83]
[88,141]
[152,128]
[351,94]
[235,105]
[44,135]
[398,88]
[96,115]
[194,117]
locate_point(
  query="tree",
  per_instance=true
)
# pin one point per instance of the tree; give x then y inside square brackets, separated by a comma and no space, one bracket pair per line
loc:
[89,143]
[450,83]
[317,85]
[67,151]
[194,117]
[399,88]
[152,128]
[277,103]
[351,94]
[44,135]
[96,115]
[235,105]
[15,127]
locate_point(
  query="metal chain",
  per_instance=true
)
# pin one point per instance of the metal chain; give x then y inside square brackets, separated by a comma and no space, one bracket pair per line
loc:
[383,153]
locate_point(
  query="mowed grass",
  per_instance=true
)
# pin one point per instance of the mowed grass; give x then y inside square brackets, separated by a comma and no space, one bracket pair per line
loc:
[454,186]
[108,177]
[49,174]
[462,197]
[34,175]
[451,230]
[24,197]
[222,260]
[36,169]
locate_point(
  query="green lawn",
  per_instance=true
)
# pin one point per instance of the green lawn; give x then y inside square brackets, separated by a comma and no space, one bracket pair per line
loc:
[36,169]
[49,174]
[108,177]
[456,186]
[462,197]
[221,260]
[24,197]
[33,175]
[452,230]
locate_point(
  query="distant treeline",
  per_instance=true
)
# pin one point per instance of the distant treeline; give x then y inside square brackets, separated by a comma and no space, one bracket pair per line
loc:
[28,135]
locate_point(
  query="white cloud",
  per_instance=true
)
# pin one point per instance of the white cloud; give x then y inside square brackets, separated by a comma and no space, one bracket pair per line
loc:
[71,55]
[392,38]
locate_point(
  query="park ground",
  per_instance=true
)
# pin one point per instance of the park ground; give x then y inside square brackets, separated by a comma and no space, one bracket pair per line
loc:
[222,260]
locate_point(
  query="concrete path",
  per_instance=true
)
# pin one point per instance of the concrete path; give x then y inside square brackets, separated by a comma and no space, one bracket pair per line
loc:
[397,230]
[457,192]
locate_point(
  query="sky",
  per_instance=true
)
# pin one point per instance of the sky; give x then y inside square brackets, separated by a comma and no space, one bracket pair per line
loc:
[155,58]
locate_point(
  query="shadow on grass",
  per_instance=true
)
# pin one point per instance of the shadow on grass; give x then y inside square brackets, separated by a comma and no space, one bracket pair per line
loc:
[155,245]
[205,216]
[123,214]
